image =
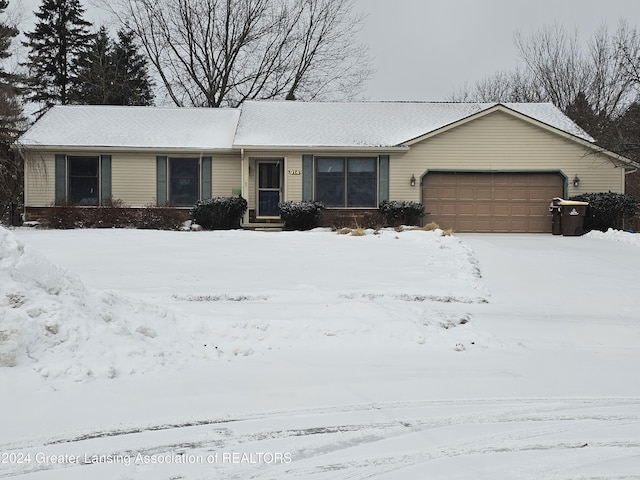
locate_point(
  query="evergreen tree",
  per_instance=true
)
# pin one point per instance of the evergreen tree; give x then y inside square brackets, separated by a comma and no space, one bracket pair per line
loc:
[96,73]
[12,123]
[57,47]
[134,86]
[114,73]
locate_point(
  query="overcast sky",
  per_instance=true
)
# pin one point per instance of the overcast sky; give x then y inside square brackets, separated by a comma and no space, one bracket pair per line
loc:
[426,49]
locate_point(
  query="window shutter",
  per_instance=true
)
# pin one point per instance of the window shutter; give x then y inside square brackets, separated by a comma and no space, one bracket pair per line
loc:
[205,178]
[161,180]
[307,177]
[105,177]
[383,179]
[61,179]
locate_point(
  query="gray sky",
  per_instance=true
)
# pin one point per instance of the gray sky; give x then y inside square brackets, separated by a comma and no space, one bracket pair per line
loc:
[426,49]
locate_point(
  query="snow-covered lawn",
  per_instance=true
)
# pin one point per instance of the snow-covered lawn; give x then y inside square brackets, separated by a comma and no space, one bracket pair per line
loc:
[205,355]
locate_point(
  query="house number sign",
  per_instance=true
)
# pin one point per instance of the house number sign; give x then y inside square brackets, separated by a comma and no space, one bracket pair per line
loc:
[295,172]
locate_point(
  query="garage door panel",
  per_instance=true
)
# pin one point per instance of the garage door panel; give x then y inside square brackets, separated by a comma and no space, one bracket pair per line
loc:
[501,209]
[482,194]
[482,208]
[491,202]
[465,209]
[538,210]
[449,209]
[522,210]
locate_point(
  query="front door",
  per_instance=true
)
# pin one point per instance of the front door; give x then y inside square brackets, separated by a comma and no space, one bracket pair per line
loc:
[269,187]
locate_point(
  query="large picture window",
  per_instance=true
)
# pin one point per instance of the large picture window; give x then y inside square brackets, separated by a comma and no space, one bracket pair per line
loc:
[346,181]
[83,180]
[184,181]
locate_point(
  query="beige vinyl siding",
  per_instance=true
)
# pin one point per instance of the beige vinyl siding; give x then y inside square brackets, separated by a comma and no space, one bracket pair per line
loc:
[226,171]
[133,178]
[293,182]
[40,179]
[502,142]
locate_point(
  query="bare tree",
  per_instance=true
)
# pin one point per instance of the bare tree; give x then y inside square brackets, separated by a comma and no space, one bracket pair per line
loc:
[556,68]
[516,86]
[627,41]
[221,52]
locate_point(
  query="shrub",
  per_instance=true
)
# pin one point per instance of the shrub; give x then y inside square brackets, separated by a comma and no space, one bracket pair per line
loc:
[163,217]
[360,218]
[113,213]
[65,216]
[607,210]
[219,213]
[303,215]
[397,213]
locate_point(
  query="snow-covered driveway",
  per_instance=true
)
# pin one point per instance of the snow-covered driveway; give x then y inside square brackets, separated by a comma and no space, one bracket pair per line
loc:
[401,355]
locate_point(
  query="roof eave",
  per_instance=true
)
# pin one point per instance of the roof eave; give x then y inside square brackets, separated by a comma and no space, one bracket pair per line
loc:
[111,148]
[315,148]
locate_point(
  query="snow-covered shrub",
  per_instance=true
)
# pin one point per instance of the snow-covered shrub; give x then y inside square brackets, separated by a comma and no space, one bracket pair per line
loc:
[159,218]
[397,212]
[219,213]
[303,215]
[607,210]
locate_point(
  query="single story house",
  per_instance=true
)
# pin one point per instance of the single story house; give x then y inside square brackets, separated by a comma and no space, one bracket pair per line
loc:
[477,167]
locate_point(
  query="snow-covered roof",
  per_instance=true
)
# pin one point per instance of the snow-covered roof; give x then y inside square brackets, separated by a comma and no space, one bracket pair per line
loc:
[134,127]
[369,124]
[266,124]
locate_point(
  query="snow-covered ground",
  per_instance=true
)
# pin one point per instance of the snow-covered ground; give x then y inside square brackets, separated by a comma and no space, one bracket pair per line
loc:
[202,355]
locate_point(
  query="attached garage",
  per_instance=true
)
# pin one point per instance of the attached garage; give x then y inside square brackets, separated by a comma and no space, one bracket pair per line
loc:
[491,202]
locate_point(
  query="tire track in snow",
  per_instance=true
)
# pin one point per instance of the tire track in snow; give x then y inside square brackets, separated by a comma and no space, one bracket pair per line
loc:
[527,422]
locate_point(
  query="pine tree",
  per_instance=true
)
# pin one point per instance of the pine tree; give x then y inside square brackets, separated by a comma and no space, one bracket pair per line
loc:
[131,73]
[57,46]
[114,73]
[96,73]
[12,123]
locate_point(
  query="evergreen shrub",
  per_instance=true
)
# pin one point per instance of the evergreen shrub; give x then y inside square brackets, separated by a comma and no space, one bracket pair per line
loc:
[398,213]
[607,210]
[303,215]
[219,213]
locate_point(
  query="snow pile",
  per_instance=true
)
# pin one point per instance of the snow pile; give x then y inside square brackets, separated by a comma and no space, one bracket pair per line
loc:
[616,235]
[50,321]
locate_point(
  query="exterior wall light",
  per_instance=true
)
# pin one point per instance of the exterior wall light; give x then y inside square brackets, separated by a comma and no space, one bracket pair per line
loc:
[576,181]
[412,182]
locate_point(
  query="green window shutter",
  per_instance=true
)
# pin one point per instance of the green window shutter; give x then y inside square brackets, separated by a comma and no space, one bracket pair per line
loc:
[307,177]
[161,180]
[383,179]
[61,179]
[105,177]
[205,180]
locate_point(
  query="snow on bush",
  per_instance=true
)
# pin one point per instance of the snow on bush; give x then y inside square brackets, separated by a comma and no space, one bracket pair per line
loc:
[617,235]
[51,322]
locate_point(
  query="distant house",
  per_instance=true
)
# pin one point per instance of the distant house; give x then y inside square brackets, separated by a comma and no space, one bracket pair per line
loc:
[477,167]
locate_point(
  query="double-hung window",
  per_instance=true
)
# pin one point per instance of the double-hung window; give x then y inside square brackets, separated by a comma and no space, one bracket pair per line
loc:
[346,181]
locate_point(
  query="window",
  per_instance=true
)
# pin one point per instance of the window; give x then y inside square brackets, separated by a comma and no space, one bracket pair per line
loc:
[83,180]
[346,182]
[184,181]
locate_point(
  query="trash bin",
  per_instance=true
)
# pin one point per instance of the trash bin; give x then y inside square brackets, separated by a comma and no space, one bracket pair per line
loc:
[572,215]
[556,216]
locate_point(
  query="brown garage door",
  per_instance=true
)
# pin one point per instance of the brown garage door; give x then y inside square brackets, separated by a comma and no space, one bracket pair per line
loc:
[491,202]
